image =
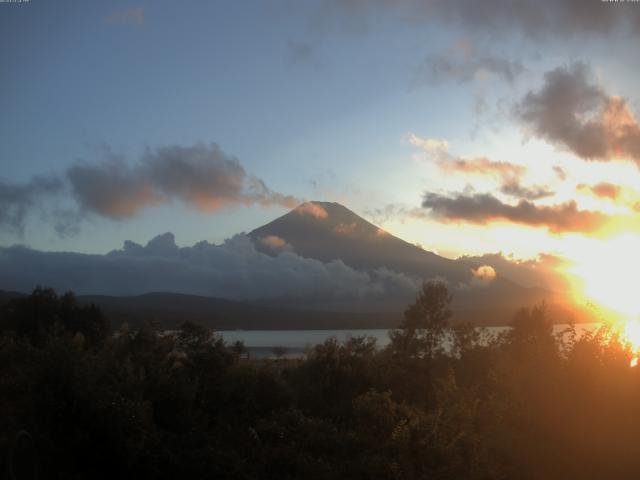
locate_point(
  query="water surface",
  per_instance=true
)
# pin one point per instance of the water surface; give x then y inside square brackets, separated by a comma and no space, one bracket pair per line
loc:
[261,343]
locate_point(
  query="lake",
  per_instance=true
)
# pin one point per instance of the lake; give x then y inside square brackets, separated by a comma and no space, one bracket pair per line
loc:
[261,343]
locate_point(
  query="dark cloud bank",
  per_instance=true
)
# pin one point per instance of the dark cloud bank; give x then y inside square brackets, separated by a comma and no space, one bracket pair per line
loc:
[233,270]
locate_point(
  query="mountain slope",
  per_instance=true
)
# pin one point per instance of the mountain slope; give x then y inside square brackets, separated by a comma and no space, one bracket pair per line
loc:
[328,231]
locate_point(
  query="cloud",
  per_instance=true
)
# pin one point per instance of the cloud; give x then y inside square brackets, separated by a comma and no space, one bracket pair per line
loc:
[508,173]
[513,188]
[201,177]
[66,222]
[275,243]
[393,212]
[312,209]
[560,172]
[440,68]
[301,52]
[536,20]
[233,270]
[429,145]
[573,114]
[112,189]
[481,166]
[539,20]
[541,272]
[439,152]
[17,200]
[130,16]
[602,189]
[483,276]
[485,208]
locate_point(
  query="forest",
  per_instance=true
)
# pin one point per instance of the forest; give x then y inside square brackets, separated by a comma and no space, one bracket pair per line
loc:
[81,398]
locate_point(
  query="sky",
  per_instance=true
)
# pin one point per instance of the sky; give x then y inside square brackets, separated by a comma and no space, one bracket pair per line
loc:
[466,127]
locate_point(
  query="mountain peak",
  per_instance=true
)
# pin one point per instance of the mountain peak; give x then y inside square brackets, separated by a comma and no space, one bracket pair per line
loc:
[328,230]
[323,209]
[332,215]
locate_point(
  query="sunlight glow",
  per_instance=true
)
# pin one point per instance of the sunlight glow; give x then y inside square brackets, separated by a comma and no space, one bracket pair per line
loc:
[604,273]
[631,334]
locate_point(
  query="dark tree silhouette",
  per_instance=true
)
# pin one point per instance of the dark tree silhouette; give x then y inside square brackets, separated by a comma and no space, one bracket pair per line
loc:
[43,312]
[425,322]
[146,404]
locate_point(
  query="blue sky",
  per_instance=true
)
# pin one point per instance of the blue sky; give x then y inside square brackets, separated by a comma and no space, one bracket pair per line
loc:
[317,99]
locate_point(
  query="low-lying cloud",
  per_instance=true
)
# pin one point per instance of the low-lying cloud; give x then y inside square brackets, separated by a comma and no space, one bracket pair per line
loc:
[541,272]
[483,276]
[233,270]
[275,244]
[483,208]
[312,209]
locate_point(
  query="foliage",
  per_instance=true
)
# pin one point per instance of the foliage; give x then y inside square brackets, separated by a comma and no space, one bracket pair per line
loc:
[440,402]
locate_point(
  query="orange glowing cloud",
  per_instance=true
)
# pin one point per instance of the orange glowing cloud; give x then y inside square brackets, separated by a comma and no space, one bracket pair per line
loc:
[602,189]
[481,166]
[312,209]
[439,151]
[275,243]
[483,275]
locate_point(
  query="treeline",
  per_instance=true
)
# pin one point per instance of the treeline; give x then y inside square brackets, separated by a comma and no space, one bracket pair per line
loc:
[78,400]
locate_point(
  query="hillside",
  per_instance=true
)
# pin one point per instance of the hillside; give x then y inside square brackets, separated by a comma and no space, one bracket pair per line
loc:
[171,309]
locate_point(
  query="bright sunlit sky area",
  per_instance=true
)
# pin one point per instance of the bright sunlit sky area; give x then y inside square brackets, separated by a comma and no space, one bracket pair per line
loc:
[462,128]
